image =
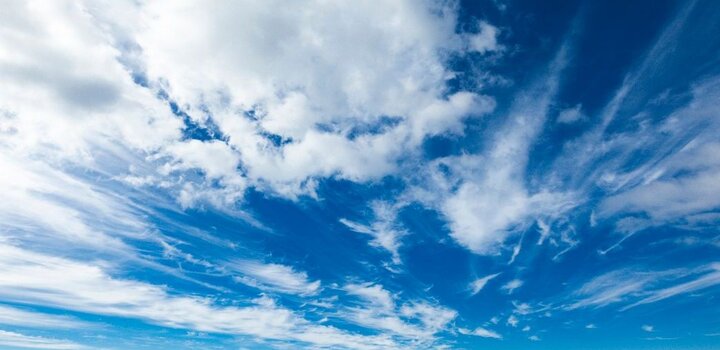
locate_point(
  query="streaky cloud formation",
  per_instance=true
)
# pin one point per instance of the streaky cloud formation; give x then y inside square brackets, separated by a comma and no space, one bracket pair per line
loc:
[18,340]
[477,285]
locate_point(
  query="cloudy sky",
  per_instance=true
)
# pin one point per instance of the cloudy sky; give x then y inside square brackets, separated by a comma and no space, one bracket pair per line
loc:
[497,174]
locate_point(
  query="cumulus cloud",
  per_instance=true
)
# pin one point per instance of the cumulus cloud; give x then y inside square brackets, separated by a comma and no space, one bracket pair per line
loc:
[312,83]
[276,97]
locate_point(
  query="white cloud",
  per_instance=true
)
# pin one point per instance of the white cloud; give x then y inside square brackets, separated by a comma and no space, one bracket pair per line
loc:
[483,196]
[483,199]
[311,79]
[477,285]
[671,198]
[485,40]
[663,183]
[612,287]
[647,328]
[709,279]
[374,294]
[513,321]
[39,279]
[56,206]
[522,308]
[316,75]
[571,115]
[67,90]
[414,319]
[273,277]
[637,288]
[384,229]
[46,280]
[480,332]
[512,285]
[21,317]
[679,178]
[214,157]
[18,340]
[69,102]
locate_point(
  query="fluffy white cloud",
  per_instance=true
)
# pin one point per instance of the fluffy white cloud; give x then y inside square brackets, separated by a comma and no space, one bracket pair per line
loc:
[315,75]
[215,158]
[297,91]
[486,39]
[64,87]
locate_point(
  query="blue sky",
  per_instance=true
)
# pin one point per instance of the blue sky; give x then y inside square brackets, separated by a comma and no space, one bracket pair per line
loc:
[368,175]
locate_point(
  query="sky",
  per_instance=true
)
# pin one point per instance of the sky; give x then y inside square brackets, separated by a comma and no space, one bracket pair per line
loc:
[490,174]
